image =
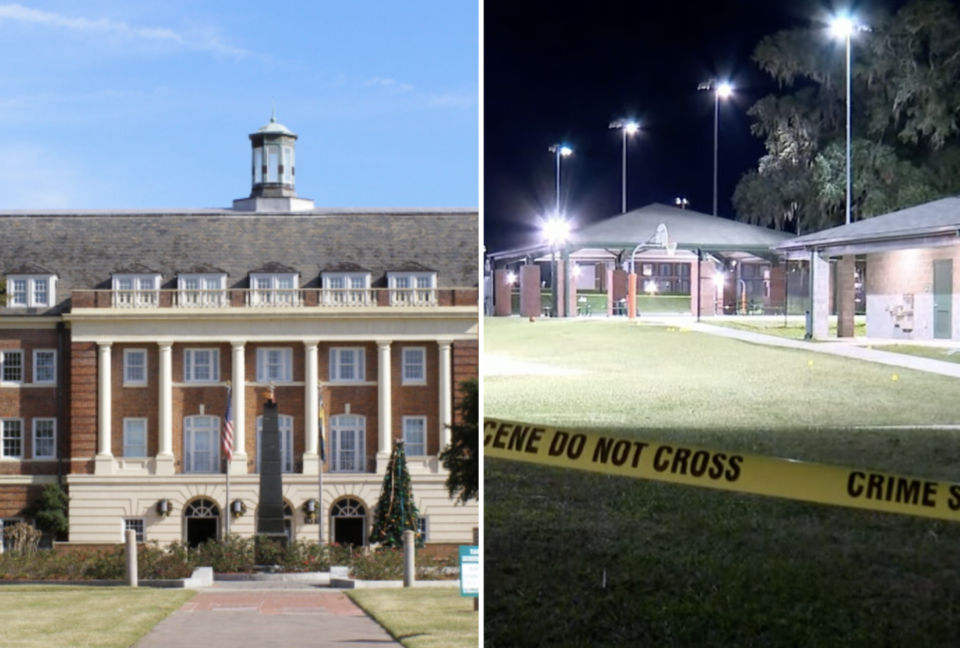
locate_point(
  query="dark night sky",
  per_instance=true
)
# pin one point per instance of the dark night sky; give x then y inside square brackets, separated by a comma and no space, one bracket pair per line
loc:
[562,71]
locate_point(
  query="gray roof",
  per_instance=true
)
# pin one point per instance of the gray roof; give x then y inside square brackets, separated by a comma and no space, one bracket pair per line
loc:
[688,228]
[85,248]
[929,219]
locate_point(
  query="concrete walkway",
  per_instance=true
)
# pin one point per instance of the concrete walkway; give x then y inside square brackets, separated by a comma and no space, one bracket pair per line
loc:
[291,616]
[858,349]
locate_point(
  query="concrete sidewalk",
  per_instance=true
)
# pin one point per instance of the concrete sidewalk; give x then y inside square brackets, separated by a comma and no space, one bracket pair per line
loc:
[294,616]
[856,349]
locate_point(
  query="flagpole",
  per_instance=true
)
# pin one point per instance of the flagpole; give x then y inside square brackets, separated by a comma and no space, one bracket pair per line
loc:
[320,457]
[229,456]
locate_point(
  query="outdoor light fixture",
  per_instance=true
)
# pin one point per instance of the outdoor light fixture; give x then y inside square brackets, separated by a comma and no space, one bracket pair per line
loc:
[650,287]
[719,279]
[561,150]
[163,507]
[626,128]
[312,506]
[720,90]
[682,203]
[511,278]
[575,270]
[237,506]
[844,27]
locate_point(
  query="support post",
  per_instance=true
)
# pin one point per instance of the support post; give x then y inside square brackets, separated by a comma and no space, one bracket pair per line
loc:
[409,559]
[131,558]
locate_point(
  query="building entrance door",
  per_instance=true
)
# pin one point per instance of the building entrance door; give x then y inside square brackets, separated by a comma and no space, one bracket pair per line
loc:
[942,299]
[199,530]
[349,519]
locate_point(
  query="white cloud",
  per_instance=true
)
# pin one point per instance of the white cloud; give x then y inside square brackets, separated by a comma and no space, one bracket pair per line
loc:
[19,13]
[391,85]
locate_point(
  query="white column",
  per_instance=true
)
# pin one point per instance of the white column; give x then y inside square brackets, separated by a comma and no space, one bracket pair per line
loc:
[104,402]
[239,389]
[820,296]
[311,411]
[165,458]
[446,391]
[384,401]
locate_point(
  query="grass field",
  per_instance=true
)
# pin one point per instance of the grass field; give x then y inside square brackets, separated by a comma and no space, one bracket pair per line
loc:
[577,559]
[947,355]
[82,617]
[793,328]
[423,617]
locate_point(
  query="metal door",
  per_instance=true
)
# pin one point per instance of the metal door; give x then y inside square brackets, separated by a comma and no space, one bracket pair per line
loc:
[942,299]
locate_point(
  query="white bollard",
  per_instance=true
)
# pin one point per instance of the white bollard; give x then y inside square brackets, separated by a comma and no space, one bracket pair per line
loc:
[131,558]
[409,555]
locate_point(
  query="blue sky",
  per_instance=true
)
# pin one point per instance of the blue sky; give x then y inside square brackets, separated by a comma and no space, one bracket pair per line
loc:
[119,104]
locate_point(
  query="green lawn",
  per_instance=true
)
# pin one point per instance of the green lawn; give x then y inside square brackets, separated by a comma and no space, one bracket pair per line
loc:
[82,617]
[423,617]
[579,559]
[947,355]
[792,329]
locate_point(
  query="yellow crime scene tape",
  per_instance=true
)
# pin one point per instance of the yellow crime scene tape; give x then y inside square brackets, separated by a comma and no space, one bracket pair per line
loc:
[730,471]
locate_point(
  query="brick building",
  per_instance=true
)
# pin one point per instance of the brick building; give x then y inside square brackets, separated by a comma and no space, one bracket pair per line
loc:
[125,333]
[908,262]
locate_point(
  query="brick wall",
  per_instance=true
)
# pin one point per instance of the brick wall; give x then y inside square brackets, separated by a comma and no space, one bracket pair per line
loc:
[83,406]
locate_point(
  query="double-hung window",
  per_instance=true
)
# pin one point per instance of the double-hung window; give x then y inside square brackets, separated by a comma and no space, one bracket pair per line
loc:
[285,424]
[414,365]
[31,291]
[11,438]
[346,438]
[415,435]
[201,447]
[201,290]
[346,364]
[134,366]
[136,290]
[201,365]
[346,289]
[45,366]
[274,290]
[44,438]
[135,438]
[11,366]
[412,288]
[274,365]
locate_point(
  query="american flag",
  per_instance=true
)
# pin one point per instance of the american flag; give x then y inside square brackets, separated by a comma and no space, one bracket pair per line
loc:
[228,428]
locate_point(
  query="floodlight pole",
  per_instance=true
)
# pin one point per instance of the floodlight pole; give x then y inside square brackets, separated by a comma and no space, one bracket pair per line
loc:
[849,84]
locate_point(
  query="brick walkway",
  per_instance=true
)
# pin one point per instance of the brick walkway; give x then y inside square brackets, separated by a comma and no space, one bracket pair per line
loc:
[291,619]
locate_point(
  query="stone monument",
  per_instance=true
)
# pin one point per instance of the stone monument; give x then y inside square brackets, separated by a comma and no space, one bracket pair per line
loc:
[270,514]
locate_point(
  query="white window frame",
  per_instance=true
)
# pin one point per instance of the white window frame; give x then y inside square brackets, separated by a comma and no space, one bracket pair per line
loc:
[53,427]
[285,423]
[343,458]
[36,364]
[190,365]
[138,294]
[336,365]
[128,446]
[412,288]
[258,165]
[405,364]
[127,366]
[191,430]
[4,454]
[423,525]
[30,291]
[288,165]
[266,290]
[4,354]
[422,446]
[286,365]
[138,525]
[347,289]
[210,291]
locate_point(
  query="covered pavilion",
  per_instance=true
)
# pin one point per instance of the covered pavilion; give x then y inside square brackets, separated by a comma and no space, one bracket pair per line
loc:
[719,263]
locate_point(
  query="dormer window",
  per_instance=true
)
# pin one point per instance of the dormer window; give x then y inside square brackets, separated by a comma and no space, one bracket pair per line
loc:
[412,288]
[204,290]
[274,289]
[136,290]
[346,289]
[31,291]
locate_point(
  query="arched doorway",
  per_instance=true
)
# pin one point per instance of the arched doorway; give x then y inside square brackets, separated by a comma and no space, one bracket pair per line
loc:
[201,520]
[349,522]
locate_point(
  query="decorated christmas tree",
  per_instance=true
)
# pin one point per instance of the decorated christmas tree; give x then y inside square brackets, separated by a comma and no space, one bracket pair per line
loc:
[396,511]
